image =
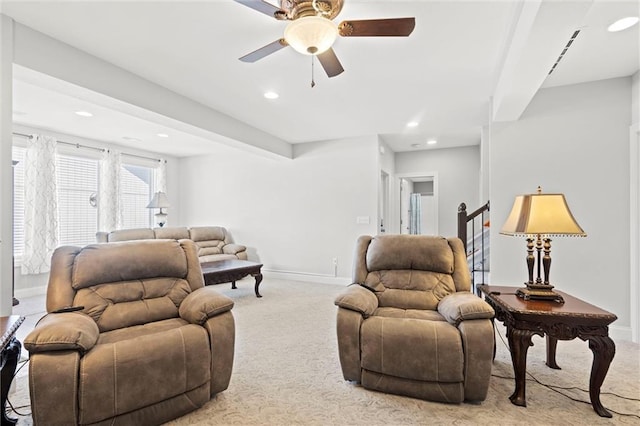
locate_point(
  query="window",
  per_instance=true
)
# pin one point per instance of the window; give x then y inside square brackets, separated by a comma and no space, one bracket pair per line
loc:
[77,217]
[77,181]
[18,201]
[136,186]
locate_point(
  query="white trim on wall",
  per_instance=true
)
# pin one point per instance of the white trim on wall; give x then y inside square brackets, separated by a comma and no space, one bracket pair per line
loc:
[634,230]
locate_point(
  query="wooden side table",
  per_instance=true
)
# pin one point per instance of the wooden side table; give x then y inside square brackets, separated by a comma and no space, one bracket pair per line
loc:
[10,353]
[556,321]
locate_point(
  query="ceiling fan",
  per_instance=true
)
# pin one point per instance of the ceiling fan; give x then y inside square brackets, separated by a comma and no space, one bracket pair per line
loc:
[311,30]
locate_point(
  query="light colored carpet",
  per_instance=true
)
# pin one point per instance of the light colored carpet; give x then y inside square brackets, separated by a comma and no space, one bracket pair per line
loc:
[286,372]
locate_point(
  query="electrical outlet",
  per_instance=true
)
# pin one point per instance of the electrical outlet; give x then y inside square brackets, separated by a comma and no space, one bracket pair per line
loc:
[335,261]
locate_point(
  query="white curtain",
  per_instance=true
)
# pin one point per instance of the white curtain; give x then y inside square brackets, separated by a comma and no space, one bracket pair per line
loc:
[40,205]
[109,205]
[161,176]
[415,214]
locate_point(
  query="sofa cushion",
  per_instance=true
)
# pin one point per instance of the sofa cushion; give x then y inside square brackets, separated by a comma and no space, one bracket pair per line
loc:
[204,233]
[126,303]
[215,257]
[434,355]
[411,252]
[172,233]
[131,234]
[126,375]
[106,263]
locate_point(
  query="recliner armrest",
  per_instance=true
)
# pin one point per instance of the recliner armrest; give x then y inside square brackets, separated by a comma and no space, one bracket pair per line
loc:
[359,299]
[203,304]
[63,331]
[463,306]
[233,248]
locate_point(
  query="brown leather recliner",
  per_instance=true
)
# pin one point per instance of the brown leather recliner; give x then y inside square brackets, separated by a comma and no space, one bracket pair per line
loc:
[409,325]
[150,344]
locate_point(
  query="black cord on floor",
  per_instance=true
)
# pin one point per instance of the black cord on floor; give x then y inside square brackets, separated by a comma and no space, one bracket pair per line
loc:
[11,407]
[556,387]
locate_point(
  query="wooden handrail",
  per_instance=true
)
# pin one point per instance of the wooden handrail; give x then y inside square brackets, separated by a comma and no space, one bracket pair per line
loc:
[463,220]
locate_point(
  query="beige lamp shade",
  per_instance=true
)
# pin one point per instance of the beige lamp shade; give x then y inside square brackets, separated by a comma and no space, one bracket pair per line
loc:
[541,214]
[159,201]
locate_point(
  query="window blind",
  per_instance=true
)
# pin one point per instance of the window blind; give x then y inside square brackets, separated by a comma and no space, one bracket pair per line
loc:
[136,186]
[18,201]
[77,180]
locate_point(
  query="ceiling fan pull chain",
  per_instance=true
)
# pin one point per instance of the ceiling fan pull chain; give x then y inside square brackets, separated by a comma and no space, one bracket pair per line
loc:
[313,83]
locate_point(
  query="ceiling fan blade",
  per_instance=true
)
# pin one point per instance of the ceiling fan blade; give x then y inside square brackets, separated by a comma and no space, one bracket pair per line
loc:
[398,27]
[330,63]
[265,50]
[260,6]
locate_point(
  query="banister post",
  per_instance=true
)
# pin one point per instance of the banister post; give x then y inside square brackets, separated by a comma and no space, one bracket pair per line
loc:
[462,224]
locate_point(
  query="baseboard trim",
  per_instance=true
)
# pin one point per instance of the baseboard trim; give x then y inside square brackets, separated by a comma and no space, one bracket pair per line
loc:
[617,332]
[306,276]
[30,292]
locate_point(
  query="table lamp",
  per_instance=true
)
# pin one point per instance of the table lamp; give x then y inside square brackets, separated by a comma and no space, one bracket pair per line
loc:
[159,201]
[538,217]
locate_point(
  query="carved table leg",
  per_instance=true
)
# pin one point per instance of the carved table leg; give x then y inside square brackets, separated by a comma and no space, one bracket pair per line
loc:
[9,363]
[552,343]
[603,350]
[519,342]
[258,278]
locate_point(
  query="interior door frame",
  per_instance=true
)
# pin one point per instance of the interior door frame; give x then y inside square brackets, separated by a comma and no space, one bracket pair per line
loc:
[634,230]
[413,175]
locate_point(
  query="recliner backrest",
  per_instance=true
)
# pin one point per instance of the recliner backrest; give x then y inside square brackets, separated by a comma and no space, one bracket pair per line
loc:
[411,271]
[126,283]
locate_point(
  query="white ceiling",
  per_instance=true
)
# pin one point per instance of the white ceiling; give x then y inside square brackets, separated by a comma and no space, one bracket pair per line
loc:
[442,76]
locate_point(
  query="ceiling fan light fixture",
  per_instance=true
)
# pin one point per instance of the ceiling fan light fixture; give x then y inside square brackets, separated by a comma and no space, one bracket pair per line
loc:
[311,35]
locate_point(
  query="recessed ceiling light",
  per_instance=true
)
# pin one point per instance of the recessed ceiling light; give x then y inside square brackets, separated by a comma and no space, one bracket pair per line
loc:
[162,135]
[271,95]
[84,114]
[131,139]
[623,24]
[412,124]
[432,142]
[416,145]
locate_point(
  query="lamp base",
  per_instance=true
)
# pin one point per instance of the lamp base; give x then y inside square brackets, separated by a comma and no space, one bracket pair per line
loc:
[539,292]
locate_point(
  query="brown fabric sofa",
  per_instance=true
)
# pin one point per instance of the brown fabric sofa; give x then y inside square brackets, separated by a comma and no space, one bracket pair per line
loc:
[150,344]
[213,242]
[409,325]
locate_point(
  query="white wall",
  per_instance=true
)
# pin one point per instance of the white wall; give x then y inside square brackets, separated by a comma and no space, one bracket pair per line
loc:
[29,285]
[574,140]
[294,215]
[6,107]
[635,98]
[458,172]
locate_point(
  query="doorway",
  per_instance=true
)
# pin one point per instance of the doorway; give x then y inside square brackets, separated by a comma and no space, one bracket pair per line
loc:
[383,203]
[418,204]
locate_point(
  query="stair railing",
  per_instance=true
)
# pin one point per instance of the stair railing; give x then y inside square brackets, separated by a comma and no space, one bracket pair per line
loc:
[463,225]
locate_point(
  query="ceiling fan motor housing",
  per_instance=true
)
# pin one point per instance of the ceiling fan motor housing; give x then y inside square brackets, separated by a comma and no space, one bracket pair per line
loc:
[300,8]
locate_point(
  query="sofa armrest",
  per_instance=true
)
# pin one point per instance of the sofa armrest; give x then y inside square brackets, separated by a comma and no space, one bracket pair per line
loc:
[64,331]
[203,304]
[359,299]
[463,306]
[233,248]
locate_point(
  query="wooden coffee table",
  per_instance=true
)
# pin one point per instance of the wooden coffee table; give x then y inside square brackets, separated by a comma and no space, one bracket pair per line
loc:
[557,321]
[231,270]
